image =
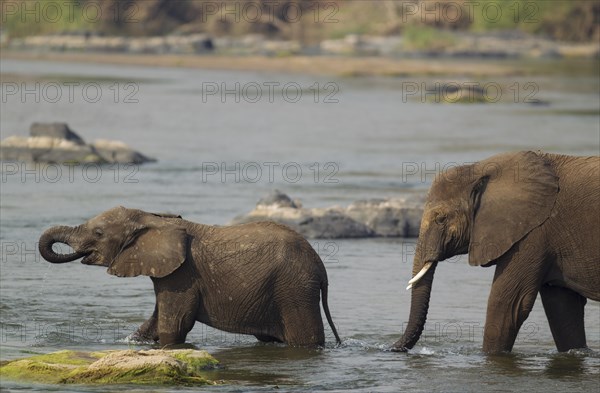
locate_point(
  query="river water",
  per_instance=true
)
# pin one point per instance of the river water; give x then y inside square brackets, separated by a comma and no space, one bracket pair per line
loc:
[324,141]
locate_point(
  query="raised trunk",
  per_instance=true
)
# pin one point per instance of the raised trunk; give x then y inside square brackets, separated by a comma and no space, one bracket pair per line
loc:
[419,305]
[53,235]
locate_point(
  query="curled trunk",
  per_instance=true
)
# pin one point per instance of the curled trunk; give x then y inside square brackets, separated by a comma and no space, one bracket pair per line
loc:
[419,305]
[53,235]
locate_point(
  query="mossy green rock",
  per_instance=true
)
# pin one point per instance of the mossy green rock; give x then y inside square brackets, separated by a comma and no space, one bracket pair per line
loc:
[157,367]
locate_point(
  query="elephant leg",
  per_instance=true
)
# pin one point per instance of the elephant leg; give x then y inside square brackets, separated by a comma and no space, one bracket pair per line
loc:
[176,317]
[564,310]
[149,329]
[303,326]
[517,280]
[267,339]
[173,327]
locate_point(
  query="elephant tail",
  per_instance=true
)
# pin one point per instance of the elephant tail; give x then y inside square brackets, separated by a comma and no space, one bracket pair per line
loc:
[327,313]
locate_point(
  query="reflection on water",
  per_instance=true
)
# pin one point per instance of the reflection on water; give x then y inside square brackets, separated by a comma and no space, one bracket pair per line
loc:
[371,134]
[572,365]
[567,366]
[260,364]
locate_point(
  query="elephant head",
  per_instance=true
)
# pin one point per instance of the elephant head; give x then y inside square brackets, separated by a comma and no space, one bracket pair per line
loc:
[481,209]
[129,242]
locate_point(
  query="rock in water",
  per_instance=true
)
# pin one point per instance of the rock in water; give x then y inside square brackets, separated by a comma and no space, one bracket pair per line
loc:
[118,152]
[156,367]
[392,217]
[51,143]
[329,223]
[277,198]
[56,131]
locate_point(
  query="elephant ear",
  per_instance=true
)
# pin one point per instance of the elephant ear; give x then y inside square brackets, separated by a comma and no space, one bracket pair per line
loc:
[514,194]
[156,248]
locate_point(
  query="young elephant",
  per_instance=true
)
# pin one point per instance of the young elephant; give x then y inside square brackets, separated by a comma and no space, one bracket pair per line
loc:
[260,278]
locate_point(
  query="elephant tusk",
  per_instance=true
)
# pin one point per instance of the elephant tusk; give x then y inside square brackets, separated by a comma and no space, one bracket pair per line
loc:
[419,275]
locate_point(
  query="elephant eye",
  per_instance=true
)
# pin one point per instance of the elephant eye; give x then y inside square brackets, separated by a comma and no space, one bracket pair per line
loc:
[440,219]
[98,232]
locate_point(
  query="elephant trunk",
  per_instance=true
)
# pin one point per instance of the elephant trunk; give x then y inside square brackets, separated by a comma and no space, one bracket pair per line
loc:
[59,234]
[419,305]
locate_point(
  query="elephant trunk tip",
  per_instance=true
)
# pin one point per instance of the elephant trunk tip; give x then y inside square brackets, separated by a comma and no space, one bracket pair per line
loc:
[408,340]
[52,236]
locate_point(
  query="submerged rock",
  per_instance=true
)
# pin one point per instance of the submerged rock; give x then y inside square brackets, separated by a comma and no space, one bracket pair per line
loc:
[392,217]
[57,143]
[157,367]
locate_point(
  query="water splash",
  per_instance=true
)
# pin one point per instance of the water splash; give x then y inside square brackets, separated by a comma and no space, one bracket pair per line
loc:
[426,351]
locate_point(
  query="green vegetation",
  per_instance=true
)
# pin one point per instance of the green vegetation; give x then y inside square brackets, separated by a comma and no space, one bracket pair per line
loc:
[37,17]
[575,20]
[568,20]
[427,38]
[155,367]
[195,360]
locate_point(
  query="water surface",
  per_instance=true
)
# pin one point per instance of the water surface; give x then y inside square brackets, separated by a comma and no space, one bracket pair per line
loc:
[364,146]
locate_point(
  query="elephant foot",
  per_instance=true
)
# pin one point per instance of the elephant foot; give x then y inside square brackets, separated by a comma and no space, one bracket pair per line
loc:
[399,348]
[142,338]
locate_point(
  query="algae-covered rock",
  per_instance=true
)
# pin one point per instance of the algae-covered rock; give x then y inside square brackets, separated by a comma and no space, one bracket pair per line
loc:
[157,367]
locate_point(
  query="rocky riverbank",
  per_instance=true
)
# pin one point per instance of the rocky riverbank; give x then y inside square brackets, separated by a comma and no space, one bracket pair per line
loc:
[512,44]
[336,66]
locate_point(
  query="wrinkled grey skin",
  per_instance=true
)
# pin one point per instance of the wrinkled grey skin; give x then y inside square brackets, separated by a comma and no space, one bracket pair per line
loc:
[536,218]
[261,278]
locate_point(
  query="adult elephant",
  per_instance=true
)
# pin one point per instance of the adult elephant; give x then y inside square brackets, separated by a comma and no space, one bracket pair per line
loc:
[261,278]
[536,217]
